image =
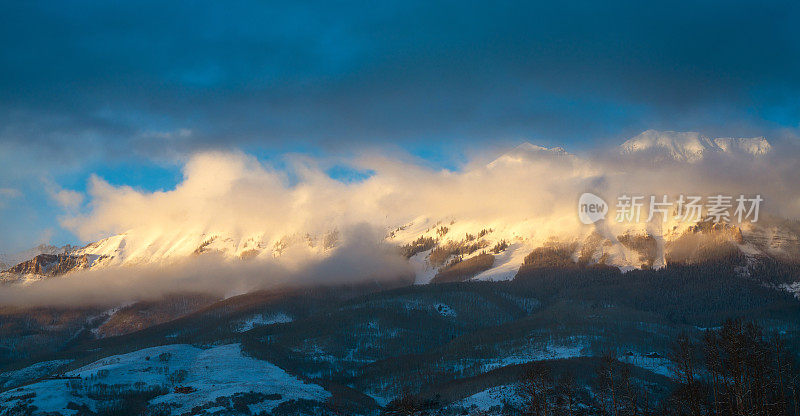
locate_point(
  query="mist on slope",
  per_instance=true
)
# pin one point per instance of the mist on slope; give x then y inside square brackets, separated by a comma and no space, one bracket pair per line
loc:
[531,189]
[364,257]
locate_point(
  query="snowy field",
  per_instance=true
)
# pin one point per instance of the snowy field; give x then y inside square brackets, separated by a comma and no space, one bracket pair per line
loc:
[30,373]
[493,397]
[206,375]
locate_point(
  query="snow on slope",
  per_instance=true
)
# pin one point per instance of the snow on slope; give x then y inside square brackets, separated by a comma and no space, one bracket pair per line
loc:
[45,396]
[15,258]
[457,232]
[220,371]
[166,246]
[539,351]
[521,238]
[793,288]
[493,397]
[692,146]
[773,239]
[224,371]
[161,246]
[263,320]
[527,151]
[506,264]
[27,374]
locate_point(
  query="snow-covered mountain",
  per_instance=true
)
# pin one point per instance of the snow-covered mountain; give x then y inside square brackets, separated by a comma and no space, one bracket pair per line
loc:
[691,146]
[441,248]
[465,249]
[528,151]
[12,259]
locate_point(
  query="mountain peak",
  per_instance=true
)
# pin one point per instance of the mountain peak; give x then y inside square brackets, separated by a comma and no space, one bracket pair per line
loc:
[528,151]
[756,146]
[528,147]
[691,146]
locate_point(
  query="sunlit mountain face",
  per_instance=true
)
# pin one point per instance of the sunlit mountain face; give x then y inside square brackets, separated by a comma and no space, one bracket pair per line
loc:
[406,221]
[399,208]
[251,287]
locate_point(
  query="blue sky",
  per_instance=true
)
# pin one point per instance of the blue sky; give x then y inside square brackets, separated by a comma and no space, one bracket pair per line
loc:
[127,90]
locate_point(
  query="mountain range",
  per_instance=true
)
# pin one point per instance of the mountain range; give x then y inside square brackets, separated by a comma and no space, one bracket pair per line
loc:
[505,316]
[480,249]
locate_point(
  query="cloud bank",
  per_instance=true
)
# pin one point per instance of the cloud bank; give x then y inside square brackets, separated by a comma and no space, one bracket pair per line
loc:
[88,87]
[151,79]
[234,194]
[531,189]
[363,258]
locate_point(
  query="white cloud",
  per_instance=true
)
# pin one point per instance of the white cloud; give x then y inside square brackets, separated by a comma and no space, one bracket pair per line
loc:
[361,258]
[234,194]
[67,199]
[70,200]
[536,189]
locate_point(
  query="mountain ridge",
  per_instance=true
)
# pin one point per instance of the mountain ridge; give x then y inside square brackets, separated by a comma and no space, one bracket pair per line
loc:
[692,146]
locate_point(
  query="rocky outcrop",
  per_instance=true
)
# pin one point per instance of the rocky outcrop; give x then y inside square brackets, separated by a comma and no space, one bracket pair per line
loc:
[464,270]
[706,242]
[723,230]
[645,246]
[54,264]
[551,256]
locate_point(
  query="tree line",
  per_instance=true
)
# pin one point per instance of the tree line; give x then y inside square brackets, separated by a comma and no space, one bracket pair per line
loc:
[733,370]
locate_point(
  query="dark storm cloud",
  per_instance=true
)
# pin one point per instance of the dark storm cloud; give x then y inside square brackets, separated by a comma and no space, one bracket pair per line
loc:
[115,78]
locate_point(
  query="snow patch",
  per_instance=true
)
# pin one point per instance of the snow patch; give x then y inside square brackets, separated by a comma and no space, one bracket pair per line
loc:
[263,320]
[793,288]
[568,348]
[506,264]
[15,378]
[212,373]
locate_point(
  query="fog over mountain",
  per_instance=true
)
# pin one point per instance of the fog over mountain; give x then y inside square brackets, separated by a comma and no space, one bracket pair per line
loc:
[235,224]
[396,208]
[236,194]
